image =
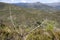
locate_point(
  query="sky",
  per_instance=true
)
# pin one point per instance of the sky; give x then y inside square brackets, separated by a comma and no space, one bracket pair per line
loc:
[29,1]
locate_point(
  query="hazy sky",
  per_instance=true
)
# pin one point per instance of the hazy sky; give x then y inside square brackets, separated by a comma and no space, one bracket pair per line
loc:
[16,1]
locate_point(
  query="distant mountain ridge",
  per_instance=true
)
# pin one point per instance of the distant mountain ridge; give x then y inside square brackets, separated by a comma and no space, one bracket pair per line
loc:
[36,5]
[56,5]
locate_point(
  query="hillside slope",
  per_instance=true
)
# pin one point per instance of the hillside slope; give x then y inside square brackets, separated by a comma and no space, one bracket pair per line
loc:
[26,20]
[26,16]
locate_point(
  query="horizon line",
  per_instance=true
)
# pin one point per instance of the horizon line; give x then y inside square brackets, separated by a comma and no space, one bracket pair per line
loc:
[29,2]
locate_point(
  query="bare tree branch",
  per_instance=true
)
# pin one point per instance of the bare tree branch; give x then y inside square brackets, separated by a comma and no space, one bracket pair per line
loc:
[11,17]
